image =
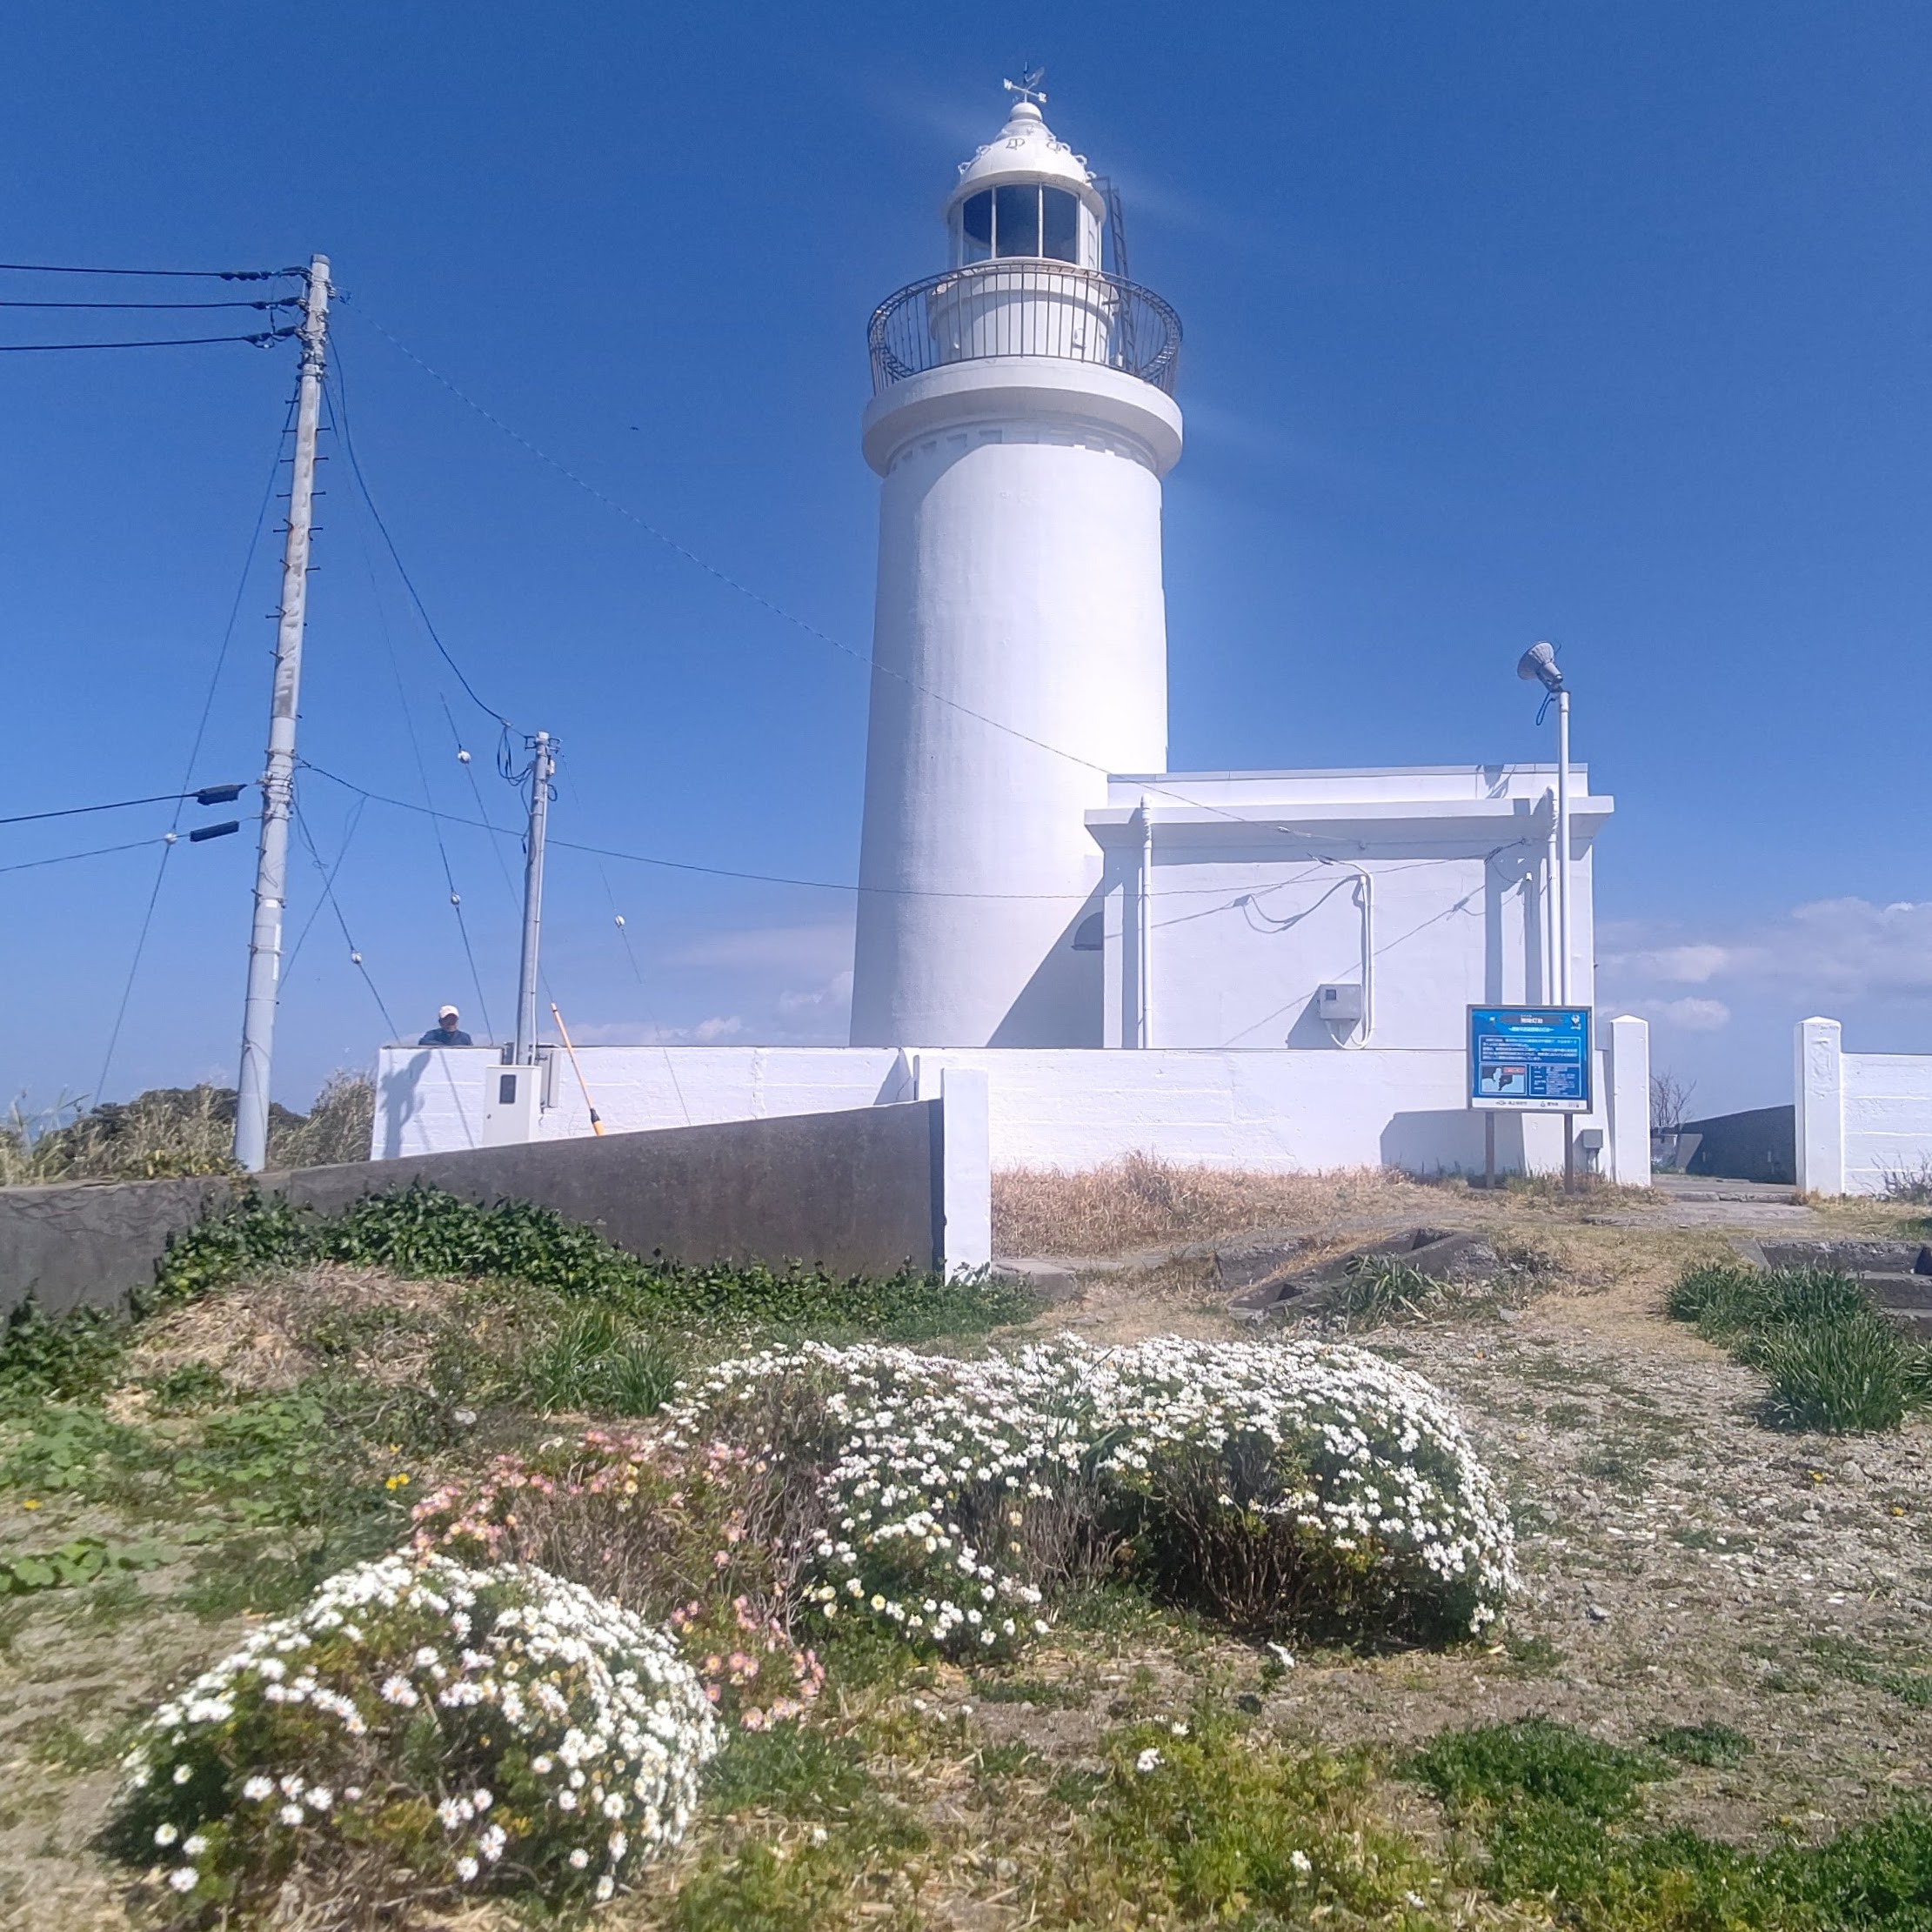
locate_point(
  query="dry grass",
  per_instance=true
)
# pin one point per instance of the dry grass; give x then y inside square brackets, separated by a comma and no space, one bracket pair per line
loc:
[170,1131]
[1144,1201]
[268,1334]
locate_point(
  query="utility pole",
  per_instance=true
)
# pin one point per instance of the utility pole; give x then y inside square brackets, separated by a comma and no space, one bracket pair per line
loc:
[271,863]
[543,767]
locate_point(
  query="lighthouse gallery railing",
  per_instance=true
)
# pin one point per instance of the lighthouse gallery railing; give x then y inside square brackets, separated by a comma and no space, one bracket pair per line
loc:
[1017,306]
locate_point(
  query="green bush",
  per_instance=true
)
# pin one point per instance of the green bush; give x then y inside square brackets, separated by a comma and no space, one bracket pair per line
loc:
[421,1231]
[44,1358]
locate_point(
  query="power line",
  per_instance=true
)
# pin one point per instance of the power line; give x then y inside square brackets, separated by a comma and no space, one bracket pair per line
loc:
[481,824]
[329,893]
[314,912]
[339,418]
[792,618]
[194,749]
[157,342]
[68,858]
[191,274]
[339,415]
[209,794]
[276,302]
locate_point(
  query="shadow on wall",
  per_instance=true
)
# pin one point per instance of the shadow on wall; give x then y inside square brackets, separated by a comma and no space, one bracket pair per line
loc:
[1450,1140]
[400,1100]
[1061,1005]
[1760,1145]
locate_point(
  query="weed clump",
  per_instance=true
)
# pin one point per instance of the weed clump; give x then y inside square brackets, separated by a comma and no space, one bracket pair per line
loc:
[1832,1361]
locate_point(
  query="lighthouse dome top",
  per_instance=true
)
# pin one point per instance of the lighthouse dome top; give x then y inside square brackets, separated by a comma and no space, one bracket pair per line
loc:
[1026,150]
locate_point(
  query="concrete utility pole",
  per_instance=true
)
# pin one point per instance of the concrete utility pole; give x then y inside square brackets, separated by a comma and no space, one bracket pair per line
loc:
[543,767]
[271,863]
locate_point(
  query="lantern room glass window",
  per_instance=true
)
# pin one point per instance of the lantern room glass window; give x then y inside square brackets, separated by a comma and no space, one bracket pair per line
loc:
[1021,219]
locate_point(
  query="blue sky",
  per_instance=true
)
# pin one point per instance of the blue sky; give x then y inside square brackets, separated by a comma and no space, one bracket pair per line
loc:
[1502,322]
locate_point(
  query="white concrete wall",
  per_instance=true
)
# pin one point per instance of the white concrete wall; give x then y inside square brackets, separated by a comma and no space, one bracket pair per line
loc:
[1020,654]
[1254,903]
[1282,1112]
[1862,1118]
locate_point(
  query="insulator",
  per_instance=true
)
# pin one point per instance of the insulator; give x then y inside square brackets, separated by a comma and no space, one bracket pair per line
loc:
[167,838]
[620,918]
[355,959]
[455,899]
[461,756]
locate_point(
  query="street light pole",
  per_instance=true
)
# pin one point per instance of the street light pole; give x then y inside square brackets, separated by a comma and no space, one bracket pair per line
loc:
[1538,662]
[1563,895]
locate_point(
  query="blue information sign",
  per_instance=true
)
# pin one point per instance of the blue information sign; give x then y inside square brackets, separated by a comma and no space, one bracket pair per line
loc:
[1530,1059]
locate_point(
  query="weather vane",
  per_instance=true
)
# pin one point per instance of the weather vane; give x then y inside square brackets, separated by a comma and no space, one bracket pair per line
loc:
[1028,86]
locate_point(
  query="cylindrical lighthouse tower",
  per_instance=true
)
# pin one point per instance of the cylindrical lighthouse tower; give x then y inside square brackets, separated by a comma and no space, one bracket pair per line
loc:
[1021,422]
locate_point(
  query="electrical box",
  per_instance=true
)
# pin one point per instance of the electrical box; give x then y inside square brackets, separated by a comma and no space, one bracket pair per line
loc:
[513,1104]
[1341,1004]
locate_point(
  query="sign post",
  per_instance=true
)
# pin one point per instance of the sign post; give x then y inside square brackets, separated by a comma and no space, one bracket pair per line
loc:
[1528,1059]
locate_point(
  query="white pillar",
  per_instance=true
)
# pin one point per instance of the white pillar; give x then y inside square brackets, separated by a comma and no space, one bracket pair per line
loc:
[966,1168]
[1629,1098]
[1818,1106]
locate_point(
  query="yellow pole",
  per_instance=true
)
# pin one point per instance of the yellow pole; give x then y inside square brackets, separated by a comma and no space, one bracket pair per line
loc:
[596,1126]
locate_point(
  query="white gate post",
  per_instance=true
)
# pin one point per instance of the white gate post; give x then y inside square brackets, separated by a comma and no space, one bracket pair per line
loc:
[1629,1085]
[1818,1106]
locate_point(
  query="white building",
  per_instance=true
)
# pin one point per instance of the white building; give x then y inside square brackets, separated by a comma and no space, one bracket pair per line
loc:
[1293,952]
[1017,887]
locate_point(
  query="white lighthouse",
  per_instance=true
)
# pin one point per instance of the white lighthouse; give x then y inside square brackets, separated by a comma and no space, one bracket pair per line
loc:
[1021,421]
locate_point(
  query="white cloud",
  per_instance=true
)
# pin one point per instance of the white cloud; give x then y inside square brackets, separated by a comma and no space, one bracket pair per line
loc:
[1686,966]
[632,1033]
[1834,950]
[1693,1016]
[833,995]
[809,950]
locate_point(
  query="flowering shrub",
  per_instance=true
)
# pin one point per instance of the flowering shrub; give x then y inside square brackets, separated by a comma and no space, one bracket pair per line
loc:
[696,1539]
[1287,1485]
[465,1726]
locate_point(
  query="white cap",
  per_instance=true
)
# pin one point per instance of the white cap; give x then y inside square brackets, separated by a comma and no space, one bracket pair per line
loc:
[1026,150]
[447,1013]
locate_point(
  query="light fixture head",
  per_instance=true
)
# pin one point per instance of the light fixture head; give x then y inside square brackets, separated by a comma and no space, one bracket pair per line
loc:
[1538,662]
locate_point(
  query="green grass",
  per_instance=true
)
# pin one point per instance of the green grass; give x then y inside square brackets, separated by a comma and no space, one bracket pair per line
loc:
[1211,1822]
[1538,1760]
[1556,1815]
[1043,1693]
[1713,1745]
[1832,1361]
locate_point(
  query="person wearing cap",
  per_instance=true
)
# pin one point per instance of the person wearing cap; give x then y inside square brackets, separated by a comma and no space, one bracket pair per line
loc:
[446,1031]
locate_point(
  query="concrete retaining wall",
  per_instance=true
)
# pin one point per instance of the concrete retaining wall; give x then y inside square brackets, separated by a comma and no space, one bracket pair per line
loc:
[858,1193]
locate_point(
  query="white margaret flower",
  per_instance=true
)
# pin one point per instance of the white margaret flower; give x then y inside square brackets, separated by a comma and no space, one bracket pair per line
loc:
[607,1704]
